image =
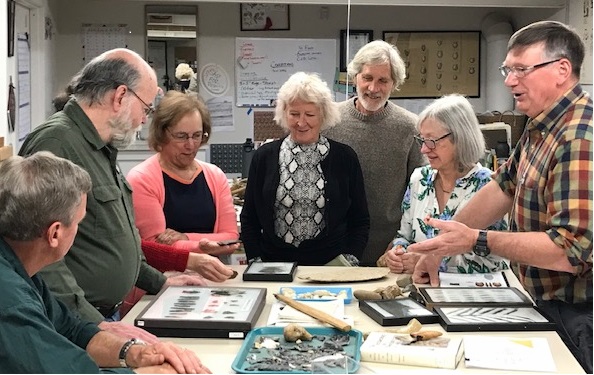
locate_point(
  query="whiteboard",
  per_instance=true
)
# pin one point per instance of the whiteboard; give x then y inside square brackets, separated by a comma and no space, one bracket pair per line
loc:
[262,65]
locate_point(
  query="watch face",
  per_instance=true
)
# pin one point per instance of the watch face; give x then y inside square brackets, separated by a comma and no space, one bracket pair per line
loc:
[481,250]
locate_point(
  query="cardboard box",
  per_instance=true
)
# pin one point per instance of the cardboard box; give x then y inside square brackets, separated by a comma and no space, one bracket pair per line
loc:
[1,141]
[5,152]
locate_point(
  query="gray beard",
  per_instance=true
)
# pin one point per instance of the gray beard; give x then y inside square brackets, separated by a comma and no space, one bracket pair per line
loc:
[123,134]
[123,140]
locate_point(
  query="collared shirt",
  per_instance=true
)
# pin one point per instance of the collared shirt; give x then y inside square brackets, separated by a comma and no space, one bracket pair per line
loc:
[38,334]
[106,260]
[550,177]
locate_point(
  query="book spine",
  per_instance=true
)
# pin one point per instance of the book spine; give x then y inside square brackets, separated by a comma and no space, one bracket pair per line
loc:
[408,359]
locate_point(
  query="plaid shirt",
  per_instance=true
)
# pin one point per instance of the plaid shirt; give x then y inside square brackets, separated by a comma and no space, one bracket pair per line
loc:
[550,177]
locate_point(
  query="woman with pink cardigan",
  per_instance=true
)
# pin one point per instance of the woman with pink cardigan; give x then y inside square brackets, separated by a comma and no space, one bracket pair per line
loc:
[178,200]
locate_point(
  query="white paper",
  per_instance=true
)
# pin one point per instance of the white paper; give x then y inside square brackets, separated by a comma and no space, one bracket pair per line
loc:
[472,280]
[507,353]
[281,314]
[24,88]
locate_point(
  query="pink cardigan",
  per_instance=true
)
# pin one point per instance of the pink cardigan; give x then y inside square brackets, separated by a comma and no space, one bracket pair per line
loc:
[148,195]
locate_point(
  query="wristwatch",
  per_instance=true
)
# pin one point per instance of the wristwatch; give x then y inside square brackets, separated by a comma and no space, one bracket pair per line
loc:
[125,348]
[480,247]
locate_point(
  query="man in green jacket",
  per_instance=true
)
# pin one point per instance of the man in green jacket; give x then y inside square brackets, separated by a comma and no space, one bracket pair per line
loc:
[43,200]
[110,101]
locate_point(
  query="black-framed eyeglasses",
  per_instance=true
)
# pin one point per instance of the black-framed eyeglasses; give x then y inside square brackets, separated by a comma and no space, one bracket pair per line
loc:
[430,143]
[521,71]
[148,110]
[183,137]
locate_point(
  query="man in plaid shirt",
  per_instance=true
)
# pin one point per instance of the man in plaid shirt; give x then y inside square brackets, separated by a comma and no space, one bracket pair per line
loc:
[546,186]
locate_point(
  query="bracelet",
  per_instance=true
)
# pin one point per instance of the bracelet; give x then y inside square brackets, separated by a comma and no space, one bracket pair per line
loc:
[125,348]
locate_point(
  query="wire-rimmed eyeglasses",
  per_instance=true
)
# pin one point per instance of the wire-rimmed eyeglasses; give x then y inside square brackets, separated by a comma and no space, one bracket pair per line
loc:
[183,137]
[148,110]
[430,143]
[521,71]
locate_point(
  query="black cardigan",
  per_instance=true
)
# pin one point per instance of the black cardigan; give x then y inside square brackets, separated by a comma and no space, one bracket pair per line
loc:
[346,215]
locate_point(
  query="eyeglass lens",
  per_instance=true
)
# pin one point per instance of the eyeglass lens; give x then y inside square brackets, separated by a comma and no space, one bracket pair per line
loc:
[183,137]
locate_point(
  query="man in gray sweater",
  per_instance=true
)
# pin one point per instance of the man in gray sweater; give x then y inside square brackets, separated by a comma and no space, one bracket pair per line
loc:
[381,133]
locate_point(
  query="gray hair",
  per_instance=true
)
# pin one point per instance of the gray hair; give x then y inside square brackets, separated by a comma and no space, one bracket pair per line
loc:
[456,115]
[376,53]
[102,74]
[37,191]
[559,41]
[311,89]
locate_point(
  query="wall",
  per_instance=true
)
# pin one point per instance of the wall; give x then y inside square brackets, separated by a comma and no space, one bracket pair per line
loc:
[218,25]
[3,65]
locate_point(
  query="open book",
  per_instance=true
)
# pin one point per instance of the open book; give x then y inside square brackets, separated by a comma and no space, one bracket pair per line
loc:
[386,347]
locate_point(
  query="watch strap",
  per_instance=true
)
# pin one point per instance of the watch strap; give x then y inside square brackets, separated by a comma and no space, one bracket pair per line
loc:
[125,348]
[480,247]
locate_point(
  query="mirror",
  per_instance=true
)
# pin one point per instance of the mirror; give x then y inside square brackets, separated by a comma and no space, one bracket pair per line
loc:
[171,40]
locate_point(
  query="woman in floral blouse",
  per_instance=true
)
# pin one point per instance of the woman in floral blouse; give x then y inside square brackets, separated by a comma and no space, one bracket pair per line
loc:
[450,138]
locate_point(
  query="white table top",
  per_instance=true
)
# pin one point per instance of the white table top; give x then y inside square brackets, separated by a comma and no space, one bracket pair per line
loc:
[218,354]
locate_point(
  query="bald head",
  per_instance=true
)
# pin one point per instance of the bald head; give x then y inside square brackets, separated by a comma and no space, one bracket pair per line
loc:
[132,58]
[110,70]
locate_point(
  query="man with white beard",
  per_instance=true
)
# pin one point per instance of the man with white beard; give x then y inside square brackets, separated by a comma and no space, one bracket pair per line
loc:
[381,133]
[109,101]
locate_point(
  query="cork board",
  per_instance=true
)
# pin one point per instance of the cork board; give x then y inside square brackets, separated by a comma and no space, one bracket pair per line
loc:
[438,63]
[265,127]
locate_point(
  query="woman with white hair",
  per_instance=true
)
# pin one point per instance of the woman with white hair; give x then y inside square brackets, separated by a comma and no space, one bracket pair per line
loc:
[305,199]
[450,138]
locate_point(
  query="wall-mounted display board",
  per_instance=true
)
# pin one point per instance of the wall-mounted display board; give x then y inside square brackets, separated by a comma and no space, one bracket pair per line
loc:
[262,65]
[438,63]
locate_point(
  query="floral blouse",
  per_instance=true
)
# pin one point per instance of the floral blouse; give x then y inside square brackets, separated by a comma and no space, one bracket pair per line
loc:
[420,200]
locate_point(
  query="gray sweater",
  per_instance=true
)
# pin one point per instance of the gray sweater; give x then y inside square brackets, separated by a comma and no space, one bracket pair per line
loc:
[388,155]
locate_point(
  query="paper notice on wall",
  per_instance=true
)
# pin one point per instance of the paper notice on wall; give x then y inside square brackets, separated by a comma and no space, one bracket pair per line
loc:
[221,113]
[24,87]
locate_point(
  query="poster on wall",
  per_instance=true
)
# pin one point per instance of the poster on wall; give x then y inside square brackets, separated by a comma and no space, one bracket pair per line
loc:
[97,39]
[580,17]
[438,63]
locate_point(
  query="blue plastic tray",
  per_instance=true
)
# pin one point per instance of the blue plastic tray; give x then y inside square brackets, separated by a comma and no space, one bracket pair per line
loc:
[248,354]
[309,289]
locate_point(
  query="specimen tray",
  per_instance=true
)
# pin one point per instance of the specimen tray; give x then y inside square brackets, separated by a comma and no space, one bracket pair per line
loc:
[244,362]
[397,312]
[203,311]
[299,291]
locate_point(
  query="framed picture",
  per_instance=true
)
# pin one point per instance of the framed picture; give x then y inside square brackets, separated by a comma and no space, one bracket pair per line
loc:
[257,16]
[11,4]
[350,42]
[270,271]
[502,317]
[438,63]
[395,312]
[199,311]
[437,296]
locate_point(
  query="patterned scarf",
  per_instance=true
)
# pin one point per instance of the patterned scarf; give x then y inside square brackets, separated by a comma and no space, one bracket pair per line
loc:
[300,200]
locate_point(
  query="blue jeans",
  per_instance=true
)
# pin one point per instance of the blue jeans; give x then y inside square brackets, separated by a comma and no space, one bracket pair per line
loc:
[574,326]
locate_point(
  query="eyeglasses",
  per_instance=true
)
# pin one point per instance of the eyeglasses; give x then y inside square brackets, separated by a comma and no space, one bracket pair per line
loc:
[430,143]
[148,110]
[521,71]
[183,137]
